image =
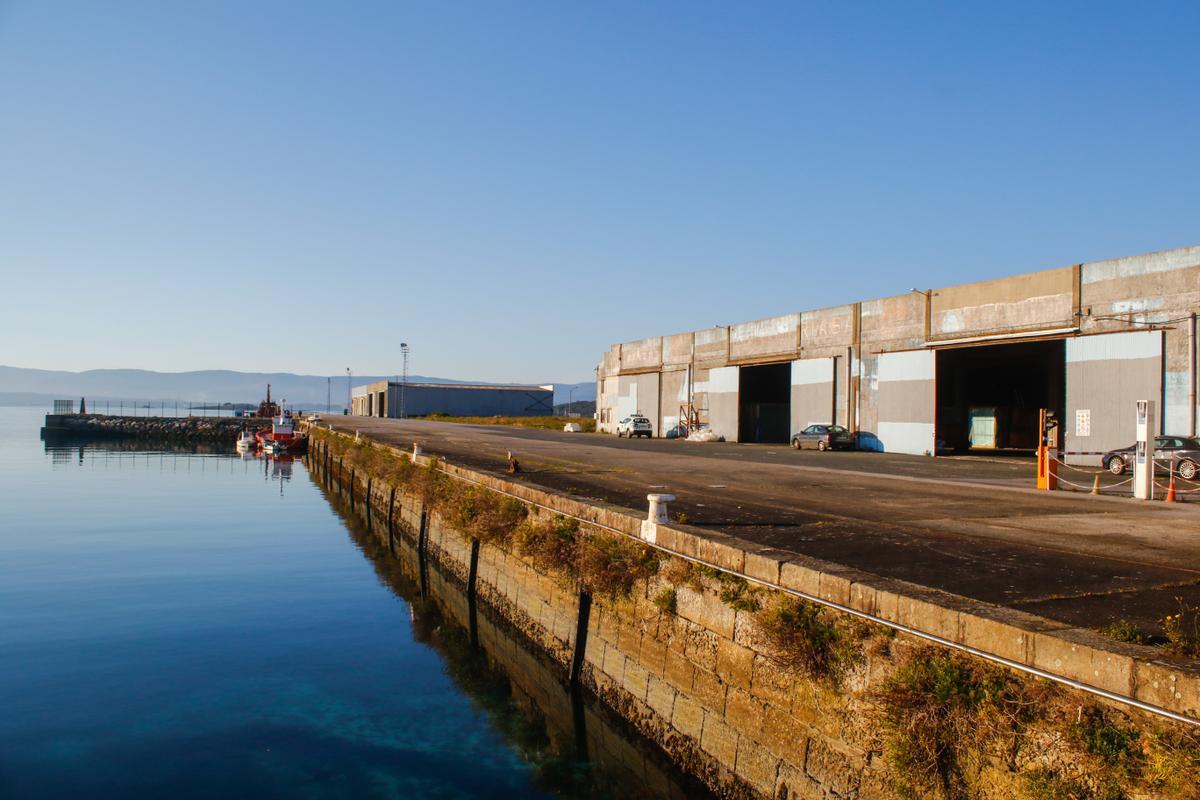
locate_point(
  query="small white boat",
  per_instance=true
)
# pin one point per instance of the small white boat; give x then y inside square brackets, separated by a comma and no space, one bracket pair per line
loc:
[246,441]
[275,448]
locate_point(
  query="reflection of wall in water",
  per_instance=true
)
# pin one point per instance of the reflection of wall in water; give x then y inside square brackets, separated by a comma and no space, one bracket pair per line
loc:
[498,667]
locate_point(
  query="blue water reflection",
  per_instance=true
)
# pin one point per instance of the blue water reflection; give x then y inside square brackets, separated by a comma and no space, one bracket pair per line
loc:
[198,625]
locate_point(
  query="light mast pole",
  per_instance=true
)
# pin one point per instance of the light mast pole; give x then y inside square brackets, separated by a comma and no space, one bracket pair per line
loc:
[404,378]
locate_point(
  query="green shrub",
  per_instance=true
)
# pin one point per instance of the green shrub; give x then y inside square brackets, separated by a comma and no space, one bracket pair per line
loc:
[1172,762]
[609,566]
[1116,746]
[667,599]
[806,638]
[551,544]
[1182,630]
[485,515]
[1048,784]
[1124,631]
[942,712]
[739,595]
[677,571]
[735,591]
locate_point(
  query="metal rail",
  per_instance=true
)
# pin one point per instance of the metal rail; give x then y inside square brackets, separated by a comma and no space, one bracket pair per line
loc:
[1016,665]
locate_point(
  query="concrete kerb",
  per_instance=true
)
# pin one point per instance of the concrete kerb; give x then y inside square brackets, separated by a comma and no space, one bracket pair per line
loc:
[1131,674]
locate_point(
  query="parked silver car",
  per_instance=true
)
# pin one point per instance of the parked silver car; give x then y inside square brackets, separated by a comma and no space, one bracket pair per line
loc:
[823,437]
[1183,453]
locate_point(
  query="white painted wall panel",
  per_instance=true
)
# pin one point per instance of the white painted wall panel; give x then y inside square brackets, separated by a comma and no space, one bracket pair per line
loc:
[812,394]
[808,371]
[627,400]
[907,437]
[723,401]
[723,379]
[907,365]
[906,403]
[1114,346]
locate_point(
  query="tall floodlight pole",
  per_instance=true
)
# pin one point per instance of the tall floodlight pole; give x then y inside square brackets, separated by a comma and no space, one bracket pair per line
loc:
[328,394]
[403,377]
[571,401]
[348,399]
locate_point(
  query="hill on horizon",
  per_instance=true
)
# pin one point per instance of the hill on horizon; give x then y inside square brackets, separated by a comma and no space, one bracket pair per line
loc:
[25,386]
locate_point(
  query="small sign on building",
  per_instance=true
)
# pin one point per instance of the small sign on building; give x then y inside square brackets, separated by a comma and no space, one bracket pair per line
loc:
[1083,422]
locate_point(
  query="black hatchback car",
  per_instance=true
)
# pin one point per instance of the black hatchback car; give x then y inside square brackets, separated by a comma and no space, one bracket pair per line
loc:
[823,437]
[1182,451]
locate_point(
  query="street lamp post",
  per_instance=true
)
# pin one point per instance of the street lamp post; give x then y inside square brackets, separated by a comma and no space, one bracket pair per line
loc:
[348,398]
[571,401]
[404,378]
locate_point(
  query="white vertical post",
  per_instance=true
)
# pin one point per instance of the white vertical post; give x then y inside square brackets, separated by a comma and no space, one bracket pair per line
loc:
[1143,452]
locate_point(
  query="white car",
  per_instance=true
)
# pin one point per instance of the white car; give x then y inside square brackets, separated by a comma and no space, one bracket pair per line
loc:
[313,418]
[636,425]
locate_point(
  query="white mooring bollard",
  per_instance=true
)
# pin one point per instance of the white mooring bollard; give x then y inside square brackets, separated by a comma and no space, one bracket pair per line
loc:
[656,516]
[416,450]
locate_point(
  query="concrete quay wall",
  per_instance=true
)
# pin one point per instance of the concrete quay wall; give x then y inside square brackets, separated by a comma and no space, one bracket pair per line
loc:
[700,680]
[574,724]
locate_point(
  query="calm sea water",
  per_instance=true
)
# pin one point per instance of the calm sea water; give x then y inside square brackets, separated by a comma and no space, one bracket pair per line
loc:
[198,625]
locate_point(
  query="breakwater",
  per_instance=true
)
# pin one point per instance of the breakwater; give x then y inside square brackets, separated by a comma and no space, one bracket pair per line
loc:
[769,675]
[180,429]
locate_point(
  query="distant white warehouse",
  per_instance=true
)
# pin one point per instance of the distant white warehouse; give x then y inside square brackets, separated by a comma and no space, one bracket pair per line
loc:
[392,399]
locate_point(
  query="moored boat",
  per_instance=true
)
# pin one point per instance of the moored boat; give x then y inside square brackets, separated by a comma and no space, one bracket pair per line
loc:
[282,434]
[247,441]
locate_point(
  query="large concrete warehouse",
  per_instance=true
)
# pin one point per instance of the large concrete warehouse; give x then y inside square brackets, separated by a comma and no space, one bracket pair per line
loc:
[385,398]
[966,365]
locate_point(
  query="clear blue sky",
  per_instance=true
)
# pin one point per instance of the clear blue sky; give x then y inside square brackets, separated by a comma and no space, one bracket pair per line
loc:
[510,187]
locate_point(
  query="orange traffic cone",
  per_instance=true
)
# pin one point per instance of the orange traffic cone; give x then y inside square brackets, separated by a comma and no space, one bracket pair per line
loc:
[1170,498]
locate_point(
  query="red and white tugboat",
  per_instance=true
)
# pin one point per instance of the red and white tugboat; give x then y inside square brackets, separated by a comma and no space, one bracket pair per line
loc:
[282,435]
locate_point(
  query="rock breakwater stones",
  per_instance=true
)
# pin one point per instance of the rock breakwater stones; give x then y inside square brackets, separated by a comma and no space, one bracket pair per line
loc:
[170,428]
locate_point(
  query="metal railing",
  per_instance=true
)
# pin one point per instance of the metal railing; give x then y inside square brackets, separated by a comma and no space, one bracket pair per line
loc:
[160,408]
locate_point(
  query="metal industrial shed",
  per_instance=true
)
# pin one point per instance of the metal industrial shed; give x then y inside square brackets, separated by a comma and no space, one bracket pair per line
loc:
[398,399]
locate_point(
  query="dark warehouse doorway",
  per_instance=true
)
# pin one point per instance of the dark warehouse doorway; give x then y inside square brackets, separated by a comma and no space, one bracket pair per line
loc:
[765,403]
[988,396]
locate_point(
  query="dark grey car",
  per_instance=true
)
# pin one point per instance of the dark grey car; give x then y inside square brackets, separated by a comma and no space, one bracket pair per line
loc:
[1182,452]
[823,437]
